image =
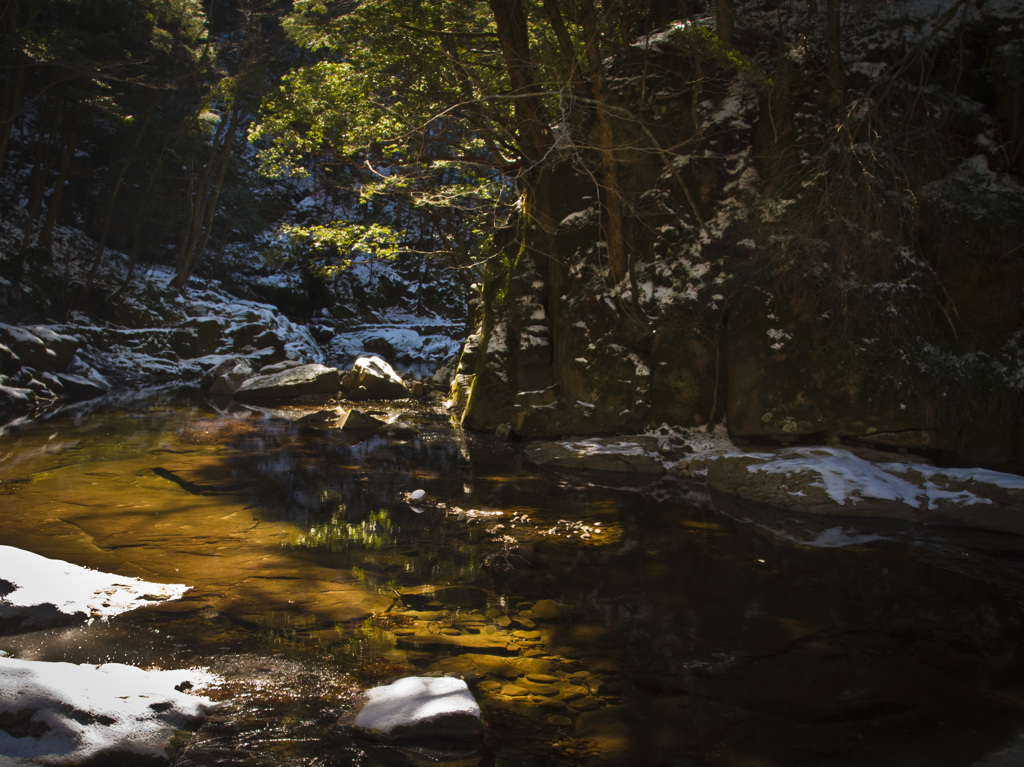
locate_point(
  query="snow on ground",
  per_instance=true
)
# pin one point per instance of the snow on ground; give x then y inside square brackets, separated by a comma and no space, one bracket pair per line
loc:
[39,581]
[62,713]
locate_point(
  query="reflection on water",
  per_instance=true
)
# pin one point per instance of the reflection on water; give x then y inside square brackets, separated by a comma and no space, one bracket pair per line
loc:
[595,625]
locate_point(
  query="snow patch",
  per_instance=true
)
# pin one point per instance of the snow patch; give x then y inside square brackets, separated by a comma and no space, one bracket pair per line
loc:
[72,589]
[80,712]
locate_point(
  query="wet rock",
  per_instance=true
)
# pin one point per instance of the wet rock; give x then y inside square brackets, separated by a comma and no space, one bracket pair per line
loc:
[481,643]
[78,387]
[428,711]
[456,596]
[15,400]
[62,345]
[585,704]
[542,678]
[527,636]
[544,690]
[306,381]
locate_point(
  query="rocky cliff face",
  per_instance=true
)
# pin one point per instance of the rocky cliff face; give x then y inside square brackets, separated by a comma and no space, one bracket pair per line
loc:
[809,261]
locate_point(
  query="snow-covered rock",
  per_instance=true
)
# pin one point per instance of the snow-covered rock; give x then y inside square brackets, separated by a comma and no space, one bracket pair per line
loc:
[36,591]
[836,482]
[62,713]
[374,378]
[432,710]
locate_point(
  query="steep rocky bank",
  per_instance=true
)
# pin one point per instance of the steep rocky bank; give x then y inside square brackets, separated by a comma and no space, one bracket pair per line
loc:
[807,271]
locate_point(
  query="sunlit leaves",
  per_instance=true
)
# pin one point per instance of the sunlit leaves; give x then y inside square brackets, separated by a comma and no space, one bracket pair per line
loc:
[320,114]
[324,249]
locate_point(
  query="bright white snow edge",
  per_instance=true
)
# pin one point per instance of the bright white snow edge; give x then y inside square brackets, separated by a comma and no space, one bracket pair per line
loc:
[72,589]
[89,709]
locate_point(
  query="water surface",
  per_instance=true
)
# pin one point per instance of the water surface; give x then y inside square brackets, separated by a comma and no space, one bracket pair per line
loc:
[596,624]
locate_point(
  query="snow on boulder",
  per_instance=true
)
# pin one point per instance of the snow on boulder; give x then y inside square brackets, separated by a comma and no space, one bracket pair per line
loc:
[374,379]
[420,710]
[835,482]
[62,713]
[36,592]
[310,382]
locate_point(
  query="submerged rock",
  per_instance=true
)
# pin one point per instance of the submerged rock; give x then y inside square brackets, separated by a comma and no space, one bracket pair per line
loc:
[438,712]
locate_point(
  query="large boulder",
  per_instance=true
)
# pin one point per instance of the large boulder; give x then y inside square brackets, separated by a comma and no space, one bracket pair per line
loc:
[308,382]
[372,378]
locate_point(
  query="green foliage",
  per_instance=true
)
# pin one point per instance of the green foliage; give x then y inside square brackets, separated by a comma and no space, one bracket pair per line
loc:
[322,250]
[338,534]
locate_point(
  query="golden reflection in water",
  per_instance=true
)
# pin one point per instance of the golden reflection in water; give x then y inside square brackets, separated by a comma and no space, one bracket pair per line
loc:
[121,517]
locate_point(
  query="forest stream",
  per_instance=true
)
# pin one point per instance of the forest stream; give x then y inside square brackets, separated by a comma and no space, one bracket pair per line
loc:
[596,622]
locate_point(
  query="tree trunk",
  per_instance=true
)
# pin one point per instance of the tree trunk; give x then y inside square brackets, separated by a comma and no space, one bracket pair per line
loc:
[36,188]
[533,135]
[206,196]
[14,85]
[63,174]
[108,214]
[604,135]
[725,20]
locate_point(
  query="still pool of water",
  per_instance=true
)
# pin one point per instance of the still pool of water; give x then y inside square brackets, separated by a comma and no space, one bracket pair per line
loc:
[596,623]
